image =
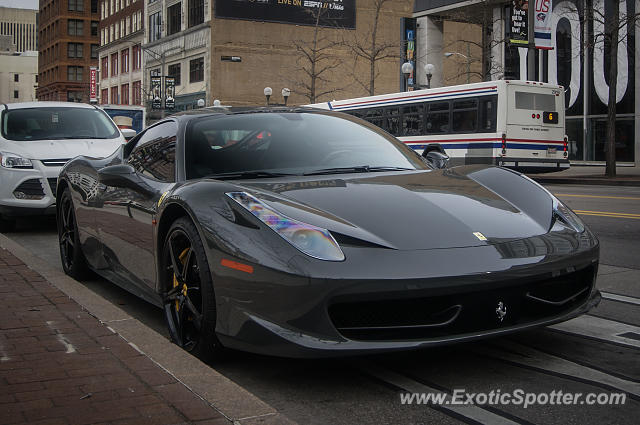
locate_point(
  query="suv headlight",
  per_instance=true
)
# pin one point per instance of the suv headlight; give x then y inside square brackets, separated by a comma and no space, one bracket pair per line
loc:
[566,216]
[311,240]
[11,160]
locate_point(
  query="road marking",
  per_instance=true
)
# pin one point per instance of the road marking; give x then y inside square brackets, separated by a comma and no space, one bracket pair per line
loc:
[621,298]
[470,411]
[599,328]
[608,214]
[596,196]
[530,357]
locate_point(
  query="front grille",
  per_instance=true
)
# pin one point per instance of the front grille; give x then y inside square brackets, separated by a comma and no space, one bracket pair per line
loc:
[53,184]
[54,162]
[29,189]
[462,313]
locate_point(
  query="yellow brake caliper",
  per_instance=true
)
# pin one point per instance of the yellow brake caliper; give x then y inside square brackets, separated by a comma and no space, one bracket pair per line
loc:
[182,257]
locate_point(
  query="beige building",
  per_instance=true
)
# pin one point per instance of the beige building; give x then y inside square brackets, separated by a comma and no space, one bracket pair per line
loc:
[249,54]
[18,77]
[21,25]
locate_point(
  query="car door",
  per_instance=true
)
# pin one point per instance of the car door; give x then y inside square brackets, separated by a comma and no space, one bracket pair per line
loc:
[126,225]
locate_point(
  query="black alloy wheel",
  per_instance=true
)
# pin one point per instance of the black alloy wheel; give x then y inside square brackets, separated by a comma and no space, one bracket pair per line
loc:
[189,302]
[73,261]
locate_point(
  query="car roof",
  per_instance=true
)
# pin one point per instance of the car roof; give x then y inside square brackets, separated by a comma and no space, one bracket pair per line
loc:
[236,110]
[47,104]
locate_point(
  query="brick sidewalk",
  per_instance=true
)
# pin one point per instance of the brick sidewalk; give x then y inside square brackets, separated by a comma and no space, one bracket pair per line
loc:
[60,365]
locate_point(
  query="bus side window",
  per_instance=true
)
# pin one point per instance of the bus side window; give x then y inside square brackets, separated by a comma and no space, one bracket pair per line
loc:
[465,115]
[375,117]
[412,119]
[488,114]
[359,113]
[437,118]
[393,120]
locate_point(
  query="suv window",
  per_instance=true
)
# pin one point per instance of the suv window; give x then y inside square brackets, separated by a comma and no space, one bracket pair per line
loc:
[154,154]
[57,123]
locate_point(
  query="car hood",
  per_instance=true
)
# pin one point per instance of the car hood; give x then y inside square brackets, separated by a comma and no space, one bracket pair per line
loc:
[62,149]
[459,207]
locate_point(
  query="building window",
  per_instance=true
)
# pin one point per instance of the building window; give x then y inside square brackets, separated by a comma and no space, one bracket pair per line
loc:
[16,78]
[74,73]
[76,5]
[104,71]
[75,27]
[16,94]
[136,51]
[74,96]
[94,6]
[94,51]
[174,18]
[114,64]
[75,50]
[174,71]
[124,65]
[114,95]
[137,93]
[196,70]
[196,12]
[124,94]
[94,28]
[104,96]
[155,27]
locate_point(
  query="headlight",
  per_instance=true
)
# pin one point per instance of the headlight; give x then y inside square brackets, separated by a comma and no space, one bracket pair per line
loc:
[569,218]
[313,241]
[10,160]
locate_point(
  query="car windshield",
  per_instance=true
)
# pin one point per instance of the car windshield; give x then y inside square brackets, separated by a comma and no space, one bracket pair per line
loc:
[256,145]
[56,123]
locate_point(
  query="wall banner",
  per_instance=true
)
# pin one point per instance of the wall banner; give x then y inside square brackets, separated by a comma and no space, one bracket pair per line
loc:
[156,92]
[93,84]
[169,92]
[542,26]
[333,13]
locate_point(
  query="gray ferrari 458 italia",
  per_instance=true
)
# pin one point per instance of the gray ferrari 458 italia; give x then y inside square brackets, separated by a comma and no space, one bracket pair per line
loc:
[306,233]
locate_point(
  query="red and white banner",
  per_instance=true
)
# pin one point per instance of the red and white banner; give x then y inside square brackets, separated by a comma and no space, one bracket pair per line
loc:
[542,25]
[93,84]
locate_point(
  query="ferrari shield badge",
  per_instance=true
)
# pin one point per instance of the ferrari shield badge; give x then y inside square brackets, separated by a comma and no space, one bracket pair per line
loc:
[479,236]
[501,311]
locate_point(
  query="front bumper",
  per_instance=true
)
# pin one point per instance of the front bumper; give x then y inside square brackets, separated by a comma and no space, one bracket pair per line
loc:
[385,300]
[39,182]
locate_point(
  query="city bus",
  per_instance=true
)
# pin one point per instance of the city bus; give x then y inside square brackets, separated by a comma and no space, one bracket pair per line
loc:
[515,124]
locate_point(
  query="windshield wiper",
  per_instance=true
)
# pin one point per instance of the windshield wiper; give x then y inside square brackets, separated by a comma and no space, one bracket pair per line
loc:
[355,169]
[247,175]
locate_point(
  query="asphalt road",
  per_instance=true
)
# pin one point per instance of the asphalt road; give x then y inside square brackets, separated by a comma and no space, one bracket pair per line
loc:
[597,353]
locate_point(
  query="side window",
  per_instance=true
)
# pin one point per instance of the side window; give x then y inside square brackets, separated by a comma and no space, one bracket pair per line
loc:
[412,119]
[437,118]
[154,154]
[465,115]
[375,117]
[393,120]
[488,114]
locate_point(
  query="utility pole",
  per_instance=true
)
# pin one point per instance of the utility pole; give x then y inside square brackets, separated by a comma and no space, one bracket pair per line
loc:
[531,52]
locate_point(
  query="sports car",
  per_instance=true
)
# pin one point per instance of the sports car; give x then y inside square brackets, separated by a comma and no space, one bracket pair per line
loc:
[305,233]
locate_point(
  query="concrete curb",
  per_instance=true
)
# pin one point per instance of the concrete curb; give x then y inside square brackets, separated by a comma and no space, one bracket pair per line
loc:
[585,181]
[231,400]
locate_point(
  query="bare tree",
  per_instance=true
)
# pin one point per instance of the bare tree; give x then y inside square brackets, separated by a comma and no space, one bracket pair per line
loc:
[316,59]
[369,49]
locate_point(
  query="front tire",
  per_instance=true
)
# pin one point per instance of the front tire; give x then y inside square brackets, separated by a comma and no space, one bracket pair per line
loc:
[188,298]
[71,256]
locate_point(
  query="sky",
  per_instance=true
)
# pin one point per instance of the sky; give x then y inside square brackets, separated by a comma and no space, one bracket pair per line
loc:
[21,4]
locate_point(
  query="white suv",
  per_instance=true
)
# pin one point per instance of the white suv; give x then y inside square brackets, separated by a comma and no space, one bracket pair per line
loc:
[36,140]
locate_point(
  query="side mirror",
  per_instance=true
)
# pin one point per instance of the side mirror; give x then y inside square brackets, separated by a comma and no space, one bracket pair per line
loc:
[124,176]
[438,159]
[128,133]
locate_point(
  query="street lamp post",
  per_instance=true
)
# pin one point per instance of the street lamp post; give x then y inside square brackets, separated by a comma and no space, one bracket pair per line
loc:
[468,58]
[267,93]
[285,94]
[407,69]
[428,69]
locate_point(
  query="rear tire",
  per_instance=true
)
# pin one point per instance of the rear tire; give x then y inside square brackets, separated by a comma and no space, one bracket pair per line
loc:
[188,296]
[71,256]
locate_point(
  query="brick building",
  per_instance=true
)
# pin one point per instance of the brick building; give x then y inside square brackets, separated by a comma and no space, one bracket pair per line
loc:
[68,46]
[120,52]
